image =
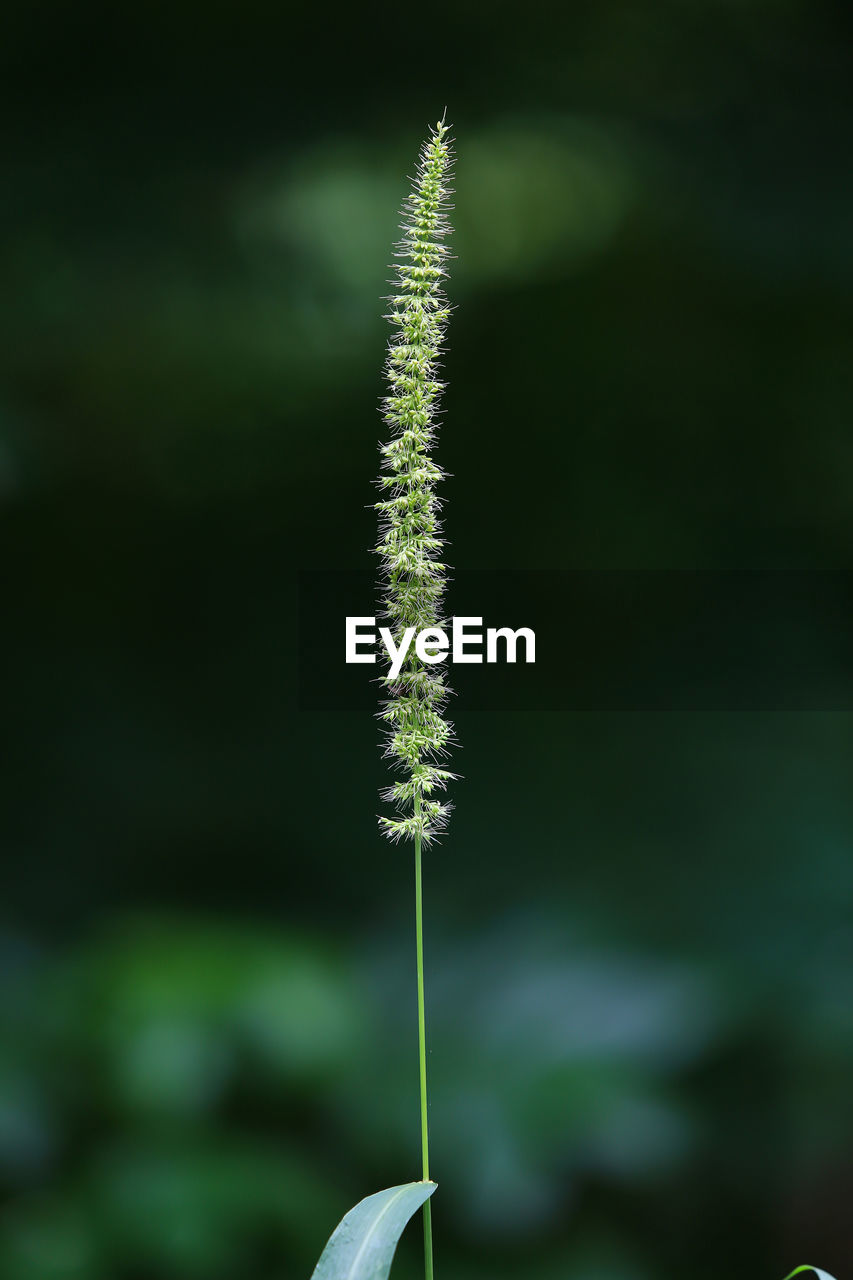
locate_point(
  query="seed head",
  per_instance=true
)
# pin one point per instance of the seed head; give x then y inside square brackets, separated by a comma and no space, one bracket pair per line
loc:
[412,578]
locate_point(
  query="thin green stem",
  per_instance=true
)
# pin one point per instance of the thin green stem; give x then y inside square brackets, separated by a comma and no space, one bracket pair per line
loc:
[419,933]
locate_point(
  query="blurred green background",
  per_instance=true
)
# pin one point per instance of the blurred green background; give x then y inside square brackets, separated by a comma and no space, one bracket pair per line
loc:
[639,947]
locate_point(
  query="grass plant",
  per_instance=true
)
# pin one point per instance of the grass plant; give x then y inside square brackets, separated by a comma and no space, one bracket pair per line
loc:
[413,574]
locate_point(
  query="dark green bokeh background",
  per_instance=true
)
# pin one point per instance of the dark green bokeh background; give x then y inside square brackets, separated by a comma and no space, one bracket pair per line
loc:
[639,927]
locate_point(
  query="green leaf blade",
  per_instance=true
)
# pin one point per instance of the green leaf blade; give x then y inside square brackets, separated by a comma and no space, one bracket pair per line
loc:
[363,1243]
[821,1275]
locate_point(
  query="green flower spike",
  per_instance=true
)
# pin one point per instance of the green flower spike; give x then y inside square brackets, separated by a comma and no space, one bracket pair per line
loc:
[413,574]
